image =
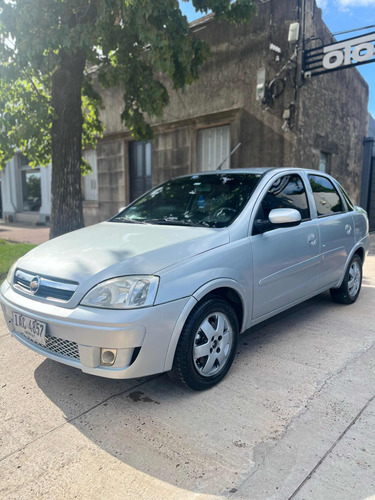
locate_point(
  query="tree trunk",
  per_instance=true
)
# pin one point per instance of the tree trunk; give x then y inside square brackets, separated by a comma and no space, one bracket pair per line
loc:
[66,195]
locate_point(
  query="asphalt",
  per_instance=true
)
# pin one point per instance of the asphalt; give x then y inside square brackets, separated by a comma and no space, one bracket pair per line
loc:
[293,419]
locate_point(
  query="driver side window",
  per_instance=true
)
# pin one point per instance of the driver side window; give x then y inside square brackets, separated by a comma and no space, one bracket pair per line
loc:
[287,191]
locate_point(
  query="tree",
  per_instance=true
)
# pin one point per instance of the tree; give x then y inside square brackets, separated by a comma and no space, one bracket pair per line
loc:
[48,105]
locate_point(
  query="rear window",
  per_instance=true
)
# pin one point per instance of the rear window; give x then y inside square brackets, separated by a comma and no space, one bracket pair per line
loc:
[346,197]
[327,199]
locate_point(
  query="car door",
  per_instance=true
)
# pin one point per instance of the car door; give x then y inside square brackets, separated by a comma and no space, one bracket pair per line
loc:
[336,229]
[285,259]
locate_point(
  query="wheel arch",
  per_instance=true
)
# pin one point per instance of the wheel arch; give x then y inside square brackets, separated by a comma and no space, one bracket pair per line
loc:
[228,289]
[357,250]
[233,298]
[361,253]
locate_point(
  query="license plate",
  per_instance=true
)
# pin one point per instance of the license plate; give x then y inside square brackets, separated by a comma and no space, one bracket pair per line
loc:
[31,328]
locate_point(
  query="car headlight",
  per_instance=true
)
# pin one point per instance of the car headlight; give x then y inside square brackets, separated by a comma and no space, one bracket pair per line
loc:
[10,274]
[126,292]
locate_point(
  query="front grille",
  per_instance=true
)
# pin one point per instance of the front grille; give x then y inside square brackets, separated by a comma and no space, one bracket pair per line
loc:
[46,287]
[61,347]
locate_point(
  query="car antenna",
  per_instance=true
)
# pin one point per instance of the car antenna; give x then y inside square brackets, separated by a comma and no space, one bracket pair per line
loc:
[230,154]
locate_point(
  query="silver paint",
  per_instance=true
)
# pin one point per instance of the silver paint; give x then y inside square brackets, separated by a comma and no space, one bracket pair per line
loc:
[267,272]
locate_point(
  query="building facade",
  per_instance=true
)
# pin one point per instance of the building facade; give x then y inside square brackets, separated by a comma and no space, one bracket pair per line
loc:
[25,192]
[251,91]
[367,199]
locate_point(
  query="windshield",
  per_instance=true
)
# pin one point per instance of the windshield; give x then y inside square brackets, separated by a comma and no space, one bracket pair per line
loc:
[210,200]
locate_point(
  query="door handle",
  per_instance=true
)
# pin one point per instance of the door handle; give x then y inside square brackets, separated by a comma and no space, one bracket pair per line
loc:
[312,239]
[348,229]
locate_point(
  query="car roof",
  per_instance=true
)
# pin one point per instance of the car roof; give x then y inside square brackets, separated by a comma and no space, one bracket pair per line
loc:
[257,170]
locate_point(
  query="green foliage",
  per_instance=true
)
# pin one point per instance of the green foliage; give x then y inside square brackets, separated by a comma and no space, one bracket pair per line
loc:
[9,253]
[91,106]
[127,43]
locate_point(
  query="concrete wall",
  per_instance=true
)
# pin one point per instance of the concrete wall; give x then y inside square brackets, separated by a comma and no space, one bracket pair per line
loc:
[111,177]
[171,154]
[371,127]
[332,115]
[325,114]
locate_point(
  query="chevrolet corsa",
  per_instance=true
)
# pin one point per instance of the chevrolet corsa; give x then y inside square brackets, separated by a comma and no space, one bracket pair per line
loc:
[170,282]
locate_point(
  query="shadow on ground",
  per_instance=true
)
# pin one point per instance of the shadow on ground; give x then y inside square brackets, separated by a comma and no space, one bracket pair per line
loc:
[210,441]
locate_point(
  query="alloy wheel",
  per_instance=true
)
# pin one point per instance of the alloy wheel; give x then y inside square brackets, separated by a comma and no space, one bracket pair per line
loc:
[212,344]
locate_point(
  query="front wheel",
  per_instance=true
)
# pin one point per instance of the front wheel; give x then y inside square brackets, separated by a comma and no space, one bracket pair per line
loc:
[207,345]
[351,285]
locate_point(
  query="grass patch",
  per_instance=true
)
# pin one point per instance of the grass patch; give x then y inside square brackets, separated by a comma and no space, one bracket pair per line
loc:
[9,253]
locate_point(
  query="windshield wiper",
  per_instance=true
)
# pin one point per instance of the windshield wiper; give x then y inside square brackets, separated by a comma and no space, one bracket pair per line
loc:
[172,222]
[164,221]
[127,219]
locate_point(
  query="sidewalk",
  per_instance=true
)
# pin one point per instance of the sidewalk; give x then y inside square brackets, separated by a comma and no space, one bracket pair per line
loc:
[24,233]
[294,419]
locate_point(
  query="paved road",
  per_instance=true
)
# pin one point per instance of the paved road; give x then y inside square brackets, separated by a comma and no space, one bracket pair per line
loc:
[293,419]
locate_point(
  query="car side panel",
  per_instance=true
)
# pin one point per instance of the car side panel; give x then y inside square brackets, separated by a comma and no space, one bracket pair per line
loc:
[336,242]
[227,262]
[285,266]
[361,224]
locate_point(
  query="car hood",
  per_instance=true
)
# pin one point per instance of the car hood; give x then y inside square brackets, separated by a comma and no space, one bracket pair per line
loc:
[118,249]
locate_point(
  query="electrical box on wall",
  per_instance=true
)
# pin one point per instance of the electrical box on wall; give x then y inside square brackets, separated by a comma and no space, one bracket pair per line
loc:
[293,33]
[261,84]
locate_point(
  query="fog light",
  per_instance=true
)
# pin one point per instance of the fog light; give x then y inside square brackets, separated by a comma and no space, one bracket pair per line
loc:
[108,357]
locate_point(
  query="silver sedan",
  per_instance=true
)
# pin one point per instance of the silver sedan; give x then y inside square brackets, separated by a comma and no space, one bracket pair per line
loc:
[169,283]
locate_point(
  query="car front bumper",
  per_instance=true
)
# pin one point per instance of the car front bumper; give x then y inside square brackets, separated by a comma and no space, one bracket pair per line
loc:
[76,336]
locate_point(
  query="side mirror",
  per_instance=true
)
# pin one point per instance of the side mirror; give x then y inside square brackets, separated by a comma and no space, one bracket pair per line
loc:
[285,217]
[279,217]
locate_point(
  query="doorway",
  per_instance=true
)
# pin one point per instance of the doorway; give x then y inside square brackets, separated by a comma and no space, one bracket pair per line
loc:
[140,174]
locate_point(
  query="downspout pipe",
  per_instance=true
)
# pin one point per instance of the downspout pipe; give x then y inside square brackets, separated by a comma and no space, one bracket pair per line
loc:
[368,147]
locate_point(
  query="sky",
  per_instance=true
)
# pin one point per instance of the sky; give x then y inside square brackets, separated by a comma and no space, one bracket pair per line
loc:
[339,15]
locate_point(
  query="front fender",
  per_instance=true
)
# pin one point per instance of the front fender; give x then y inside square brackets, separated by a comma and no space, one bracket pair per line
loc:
[197,296]
[234,285]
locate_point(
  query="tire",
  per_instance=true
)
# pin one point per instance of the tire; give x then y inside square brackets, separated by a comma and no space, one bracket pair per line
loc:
[207,345]
[351,285]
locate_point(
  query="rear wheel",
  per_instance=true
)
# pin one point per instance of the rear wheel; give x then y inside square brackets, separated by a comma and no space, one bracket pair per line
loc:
[207,345]
[351,285]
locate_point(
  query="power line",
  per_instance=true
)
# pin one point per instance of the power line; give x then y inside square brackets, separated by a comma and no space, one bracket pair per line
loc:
[352,31]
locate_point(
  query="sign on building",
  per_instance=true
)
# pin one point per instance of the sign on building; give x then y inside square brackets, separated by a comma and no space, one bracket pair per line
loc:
[339,55]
